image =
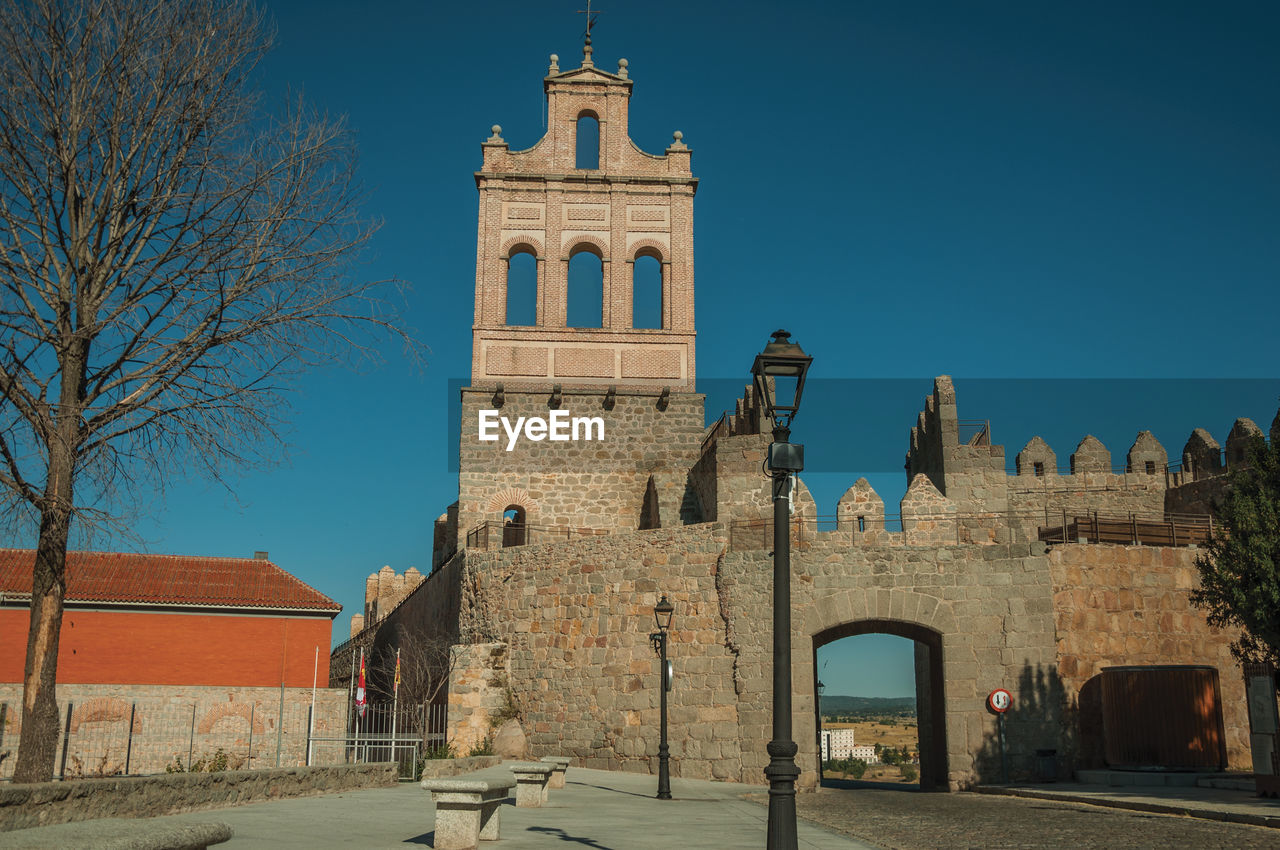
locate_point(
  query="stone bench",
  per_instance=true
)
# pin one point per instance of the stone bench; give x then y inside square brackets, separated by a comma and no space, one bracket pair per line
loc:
[531,782]
[466,810]
[560,765]
[118,833]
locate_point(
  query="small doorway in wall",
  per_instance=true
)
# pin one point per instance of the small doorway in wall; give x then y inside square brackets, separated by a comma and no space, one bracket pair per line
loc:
[515,529]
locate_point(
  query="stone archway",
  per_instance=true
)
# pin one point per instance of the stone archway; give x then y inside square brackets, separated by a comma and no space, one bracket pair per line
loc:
[930,685]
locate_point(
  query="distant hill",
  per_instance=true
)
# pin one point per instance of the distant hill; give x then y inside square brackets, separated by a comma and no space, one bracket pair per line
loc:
[866,705]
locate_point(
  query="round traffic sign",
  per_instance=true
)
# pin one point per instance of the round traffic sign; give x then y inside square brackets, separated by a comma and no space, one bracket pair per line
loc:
[999,700]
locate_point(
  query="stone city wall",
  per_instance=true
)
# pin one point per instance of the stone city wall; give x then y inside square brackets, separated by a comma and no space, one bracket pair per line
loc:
[1128,605]
[179,723]
[576,621]
[571,623]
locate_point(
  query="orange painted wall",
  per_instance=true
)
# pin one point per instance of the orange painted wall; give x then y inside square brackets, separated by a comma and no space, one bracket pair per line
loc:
[128,647]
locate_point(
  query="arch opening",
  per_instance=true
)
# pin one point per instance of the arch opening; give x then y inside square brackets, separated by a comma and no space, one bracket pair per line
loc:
[585,308]
[646,292]
[515,527]
[587,143]
[522,289]
[923,658]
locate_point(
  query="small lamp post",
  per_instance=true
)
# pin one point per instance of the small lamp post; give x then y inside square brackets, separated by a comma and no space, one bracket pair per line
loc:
[662,613]
[779,373]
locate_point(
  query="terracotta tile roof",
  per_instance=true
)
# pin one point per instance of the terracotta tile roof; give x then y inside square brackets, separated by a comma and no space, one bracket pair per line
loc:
[168,580]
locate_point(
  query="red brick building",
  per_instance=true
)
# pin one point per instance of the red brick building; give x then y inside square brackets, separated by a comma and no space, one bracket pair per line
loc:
[173,620]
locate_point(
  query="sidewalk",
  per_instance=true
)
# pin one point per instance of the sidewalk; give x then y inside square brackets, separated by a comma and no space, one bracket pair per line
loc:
[597,809]
[1218,804]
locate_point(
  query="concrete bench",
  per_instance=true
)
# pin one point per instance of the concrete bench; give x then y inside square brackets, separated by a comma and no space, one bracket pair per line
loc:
[531,782]
[560,765]
[118,834]
[466,810]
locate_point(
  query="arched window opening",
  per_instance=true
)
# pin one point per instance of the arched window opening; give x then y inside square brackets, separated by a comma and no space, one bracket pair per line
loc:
[646,293]
[514,528]
[586,291]
[522,290]
[587,150]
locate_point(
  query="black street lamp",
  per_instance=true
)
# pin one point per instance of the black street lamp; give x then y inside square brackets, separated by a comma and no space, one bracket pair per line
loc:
[662,613]
[779,373]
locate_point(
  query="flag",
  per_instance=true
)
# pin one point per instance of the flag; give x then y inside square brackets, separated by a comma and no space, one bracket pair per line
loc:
[361,702]
[397,688]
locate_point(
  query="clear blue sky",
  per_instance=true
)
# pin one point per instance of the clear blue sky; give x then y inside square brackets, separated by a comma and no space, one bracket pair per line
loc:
[994,190]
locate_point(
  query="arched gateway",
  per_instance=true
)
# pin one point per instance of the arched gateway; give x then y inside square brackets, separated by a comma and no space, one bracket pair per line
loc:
[919,617]
[930,689]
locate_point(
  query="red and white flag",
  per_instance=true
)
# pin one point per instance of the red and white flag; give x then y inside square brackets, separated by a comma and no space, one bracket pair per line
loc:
[361,701]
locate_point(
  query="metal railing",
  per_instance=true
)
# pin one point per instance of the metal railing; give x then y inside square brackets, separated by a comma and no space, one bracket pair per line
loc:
[405,734]
[974,432]
[494,534]
[1130,529]
[1134,528]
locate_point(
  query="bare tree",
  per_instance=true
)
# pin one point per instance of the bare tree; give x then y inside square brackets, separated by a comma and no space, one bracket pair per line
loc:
[171,255]
[427,659]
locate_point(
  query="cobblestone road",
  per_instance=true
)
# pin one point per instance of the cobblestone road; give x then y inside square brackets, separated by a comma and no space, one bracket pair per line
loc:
[898,820]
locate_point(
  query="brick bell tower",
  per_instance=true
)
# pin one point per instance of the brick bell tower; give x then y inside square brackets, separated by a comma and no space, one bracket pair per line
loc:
[541,207]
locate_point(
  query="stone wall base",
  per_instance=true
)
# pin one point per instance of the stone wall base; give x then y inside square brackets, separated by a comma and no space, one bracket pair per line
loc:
[45,803]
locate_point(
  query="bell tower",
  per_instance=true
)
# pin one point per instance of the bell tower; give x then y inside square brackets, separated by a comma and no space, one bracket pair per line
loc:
[628,205]
[584,194]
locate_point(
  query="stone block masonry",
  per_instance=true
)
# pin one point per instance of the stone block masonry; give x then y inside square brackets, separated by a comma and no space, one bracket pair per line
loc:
[177,723]
[597,483]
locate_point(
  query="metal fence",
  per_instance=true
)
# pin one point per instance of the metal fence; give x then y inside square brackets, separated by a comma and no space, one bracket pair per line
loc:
[405,734]
[101,737]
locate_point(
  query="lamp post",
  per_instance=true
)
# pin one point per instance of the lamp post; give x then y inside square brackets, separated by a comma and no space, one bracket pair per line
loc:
[779,373]
[662,615]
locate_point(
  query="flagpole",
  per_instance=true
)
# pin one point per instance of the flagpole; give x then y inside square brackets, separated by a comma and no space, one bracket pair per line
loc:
[360,699]
[395,705]
[311,726]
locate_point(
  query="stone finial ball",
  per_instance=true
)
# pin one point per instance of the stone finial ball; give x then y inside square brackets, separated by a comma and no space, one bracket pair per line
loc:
[677,135]
[554,58]
[497,129]
[622,63]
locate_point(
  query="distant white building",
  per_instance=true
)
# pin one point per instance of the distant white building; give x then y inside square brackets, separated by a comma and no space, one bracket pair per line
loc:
[838,744]
[865,752]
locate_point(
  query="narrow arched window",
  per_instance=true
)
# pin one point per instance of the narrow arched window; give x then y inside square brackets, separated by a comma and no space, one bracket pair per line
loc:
[585,307]
[587,150]
[646,293]
[522,289]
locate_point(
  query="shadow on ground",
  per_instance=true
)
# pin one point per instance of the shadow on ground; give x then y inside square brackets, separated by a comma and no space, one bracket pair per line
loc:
[855,784]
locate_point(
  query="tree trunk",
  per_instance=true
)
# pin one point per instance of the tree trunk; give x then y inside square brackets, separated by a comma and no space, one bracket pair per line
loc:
[38,743]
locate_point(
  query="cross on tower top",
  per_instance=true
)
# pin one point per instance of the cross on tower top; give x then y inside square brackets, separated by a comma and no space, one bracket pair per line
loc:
[591,14]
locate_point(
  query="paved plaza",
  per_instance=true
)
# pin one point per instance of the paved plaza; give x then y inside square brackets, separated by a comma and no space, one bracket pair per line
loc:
[617,811]
[596,809]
